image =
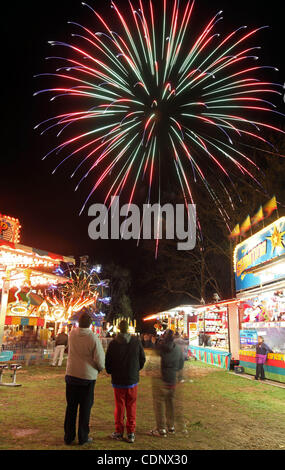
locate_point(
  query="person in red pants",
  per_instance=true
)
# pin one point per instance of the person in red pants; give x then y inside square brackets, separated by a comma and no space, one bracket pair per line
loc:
[125,357]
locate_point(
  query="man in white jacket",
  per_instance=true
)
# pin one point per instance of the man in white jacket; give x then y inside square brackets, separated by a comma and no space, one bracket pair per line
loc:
[85,359]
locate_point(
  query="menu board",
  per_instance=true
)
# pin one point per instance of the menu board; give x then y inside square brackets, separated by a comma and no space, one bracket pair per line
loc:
[193,333]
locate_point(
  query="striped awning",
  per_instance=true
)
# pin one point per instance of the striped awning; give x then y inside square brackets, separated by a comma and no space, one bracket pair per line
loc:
[15,254]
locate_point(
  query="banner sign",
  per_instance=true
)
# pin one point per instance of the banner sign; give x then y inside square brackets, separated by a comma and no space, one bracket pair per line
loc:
[260,249]
[248,337]
[193,334]
[24,321]
[273,337]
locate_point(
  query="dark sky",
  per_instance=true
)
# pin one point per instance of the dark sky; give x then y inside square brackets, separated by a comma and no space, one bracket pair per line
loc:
[46,204]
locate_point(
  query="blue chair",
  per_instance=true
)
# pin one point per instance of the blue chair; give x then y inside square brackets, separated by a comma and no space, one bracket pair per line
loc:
[6,356]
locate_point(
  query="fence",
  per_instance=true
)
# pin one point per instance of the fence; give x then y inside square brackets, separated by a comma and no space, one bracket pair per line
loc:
[36,353]
[29,353]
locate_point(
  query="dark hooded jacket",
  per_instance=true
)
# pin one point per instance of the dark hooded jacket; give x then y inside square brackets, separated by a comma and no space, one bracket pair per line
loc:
[261,353]
[125,357]
[172,360]
[61,339]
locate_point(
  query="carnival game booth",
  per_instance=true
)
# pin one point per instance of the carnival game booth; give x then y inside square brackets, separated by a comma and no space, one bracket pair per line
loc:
[24,270]
[212,330]
[176,319]
[259,264]
[217,341]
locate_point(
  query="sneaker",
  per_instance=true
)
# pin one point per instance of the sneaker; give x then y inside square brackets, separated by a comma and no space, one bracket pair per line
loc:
[158,433]
[89,440]
[131,438]
[171,430]
[117,435]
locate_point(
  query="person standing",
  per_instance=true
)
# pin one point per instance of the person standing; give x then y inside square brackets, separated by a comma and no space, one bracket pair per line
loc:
[261,355]
[61,342]
[85,359]
[164,387]
[183,345]
[125,357]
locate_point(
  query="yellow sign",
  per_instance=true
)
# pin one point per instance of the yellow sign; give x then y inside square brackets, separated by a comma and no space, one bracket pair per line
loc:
[252,256]
[274,356]
[276,239]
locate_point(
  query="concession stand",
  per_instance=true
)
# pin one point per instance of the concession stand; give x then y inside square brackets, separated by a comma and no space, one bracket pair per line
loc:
[259,265]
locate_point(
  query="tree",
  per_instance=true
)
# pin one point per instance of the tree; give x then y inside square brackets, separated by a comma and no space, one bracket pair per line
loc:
[120,285]
[186,277]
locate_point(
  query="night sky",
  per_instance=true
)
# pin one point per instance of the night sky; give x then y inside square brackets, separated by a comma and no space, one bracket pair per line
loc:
[46,204]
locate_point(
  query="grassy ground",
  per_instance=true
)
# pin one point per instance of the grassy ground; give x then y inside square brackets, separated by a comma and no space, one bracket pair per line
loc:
[223,411]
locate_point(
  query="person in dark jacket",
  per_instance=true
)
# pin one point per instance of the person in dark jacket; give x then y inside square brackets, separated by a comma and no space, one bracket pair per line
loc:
[164,387]
[261,355]
[146,341]
[125,357]
[61,342]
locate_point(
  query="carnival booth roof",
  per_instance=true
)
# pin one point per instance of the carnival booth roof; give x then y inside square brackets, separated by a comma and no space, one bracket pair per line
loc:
[23,261]
[21,255]
[190,309]
[172,311]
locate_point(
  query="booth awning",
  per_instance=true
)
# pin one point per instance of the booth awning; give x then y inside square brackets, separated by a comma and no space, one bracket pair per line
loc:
[221,303]
[15,254]
[187,308]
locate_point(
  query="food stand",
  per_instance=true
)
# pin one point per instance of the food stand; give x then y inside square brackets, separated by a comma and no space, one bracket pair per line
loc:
[259,264]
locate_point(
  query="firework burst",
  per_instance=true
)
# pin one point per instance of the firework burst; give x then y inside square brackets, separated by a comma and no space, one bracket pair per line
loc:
[153,90]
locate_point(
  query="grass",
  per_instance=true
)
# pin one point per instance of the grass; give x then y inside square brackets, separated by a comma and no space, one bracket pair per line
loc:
[223,411]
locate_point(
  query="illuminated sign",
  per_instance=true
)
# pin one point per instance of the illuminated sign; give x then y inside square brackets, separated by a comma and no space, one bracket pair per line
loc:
[251,257]
[248,337]
[9,229]
[19,308]
[59,313]
[258,259]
